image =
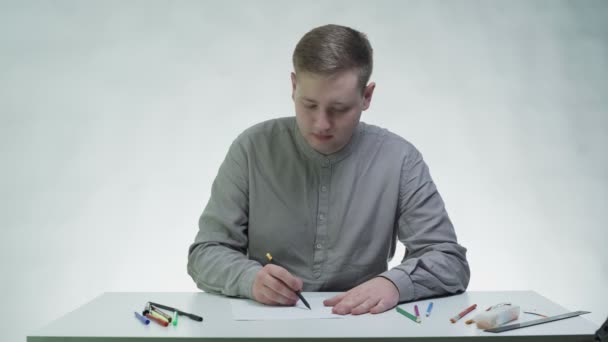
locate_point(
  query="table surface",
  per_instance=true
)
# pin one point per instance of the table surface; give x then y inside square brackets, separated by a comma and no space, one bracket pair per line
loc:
[110,317]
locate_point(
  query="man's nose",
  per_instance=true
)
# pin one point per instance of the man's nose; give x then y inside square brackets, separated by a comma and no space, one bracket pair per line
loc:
[322,122]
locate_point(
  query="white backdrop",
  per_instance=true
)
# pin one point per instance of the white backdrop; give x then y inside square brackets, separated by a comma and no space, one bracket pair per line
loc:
[115,116]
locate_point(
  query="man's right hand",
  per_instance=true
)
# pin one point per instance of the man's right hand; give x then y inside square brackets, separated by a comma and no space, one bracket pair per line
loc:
[274,285]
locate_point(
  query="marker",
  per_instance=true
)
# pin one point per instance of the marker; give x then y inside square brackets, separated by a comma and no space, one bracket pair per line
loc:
[156,318]
[417,314]
[143,319]
[158,311]
[428,309]
[175,318]
[155,314]
[463,313]
[407,314]
[271,260]
[189,315]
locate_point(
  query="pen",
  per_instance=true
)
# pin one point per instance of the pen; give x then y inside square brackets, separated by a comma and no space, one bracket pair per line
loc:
[189,315]
[407,314]
[463,313]
[143,319]
[417,314]
[428,309]
[270,259]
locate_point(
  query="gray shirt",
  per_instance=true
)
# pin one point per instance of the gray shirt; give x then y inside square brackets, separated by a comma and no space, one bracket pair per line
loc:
[331,220]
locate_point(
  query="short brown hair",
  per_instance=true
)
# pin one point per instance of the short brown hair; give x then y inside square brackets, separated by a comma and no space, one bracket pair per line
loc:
[330,49]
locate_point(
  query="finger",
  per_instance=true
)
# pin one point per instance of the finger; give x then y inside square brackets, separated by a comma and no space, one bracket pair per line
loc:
[348,303]
[335,299]
[279,292]
[380,307]
[273,298]
[365,306]
[268,297]
[267,290]
[294,283]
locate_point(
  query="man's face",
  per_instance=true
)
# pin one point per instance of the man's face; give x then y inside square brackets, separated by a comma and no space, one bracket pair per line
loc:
[328,108]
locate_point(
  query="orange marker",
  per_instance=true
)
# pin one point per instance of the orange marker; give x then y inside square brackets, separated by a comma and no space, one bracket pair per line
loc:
[463,313]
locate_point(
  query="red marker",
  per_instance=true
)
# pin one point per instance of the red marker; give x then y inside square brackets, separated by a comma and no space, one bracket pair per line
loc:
[462,314]
[156,319]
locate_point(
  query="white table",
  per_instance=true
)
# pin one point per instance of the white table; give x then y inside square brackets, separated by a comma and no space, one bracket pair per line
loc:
[110,317]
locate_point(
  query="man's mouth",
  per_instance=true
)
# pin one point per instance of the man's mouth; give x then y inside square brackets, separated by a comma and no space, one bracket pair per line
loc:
[322,137]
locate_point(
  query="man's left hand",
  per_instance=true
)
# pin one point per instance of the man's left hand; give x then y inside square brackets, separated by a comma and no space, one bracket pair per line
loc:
[374,296]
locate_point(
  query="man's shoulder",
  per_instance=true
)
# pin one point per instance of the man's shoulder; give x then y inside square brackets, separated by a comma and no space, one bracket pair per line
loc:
[268,130]
[389,140]
[273,131]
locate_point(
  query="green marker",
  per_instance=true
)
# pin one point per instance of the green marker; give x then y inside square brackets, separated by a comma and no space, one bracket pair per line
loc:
[407,314]
[174,318]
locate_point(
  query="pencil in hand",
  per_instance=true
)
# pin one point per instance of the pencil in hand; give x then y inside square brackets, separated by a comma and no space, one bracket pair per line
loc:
[271,260]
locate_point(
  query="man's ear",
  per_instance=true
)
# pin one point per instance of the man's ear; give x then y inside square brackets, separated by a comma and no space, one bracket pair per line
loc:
[293,85]
[368,92]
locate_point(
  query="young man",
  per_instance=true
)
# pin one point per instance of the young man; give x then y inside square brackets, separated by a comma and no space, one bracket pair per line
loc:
[327,196]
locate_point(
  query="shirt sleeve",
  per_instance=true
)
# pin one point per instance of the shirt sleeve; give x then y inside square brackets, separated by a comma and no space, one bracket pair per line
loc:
[434,263]
[217,260]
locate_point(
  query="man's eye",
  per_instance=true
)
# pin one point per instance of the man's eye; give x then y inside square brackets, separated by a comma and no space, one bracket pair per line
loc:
[311,106]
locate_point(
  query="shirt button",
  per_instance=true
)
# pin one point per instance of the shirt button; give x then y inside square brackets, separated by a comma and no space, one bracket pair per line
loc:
[318,246]
[321,217]
[323,188]
[325,163]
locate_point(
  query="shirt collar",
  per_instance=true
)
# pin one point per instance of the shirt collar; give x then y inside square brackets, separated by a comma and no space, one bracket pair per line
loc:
[326,160]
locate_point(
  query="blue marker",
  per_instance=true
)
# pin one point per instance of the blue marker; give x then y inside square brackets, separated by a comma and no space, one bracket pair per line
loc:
[143,319]
[428,309]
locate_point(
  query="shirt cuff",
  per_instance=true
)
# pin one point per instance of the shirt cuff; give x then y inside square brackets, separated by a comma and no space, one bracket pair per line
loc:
[403,282]
[246,282]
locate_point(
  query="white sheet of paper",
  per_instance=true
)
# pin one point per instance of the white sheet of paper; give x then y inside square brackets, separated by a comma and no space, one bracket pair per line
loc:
[250,310]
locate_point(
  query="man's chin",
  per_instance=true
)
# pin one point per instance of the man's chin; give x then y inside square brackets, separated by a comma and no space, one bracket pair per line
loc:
[324,150]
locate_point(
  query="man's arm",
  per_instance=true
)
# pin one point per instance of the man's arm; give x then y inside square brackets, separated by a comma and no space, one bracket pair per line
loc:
[217,260]
[434,264]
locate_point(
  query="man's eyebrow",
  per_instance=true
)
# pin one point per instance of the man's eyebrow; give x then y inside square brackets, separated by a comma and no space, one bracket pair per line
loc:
[336,103]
